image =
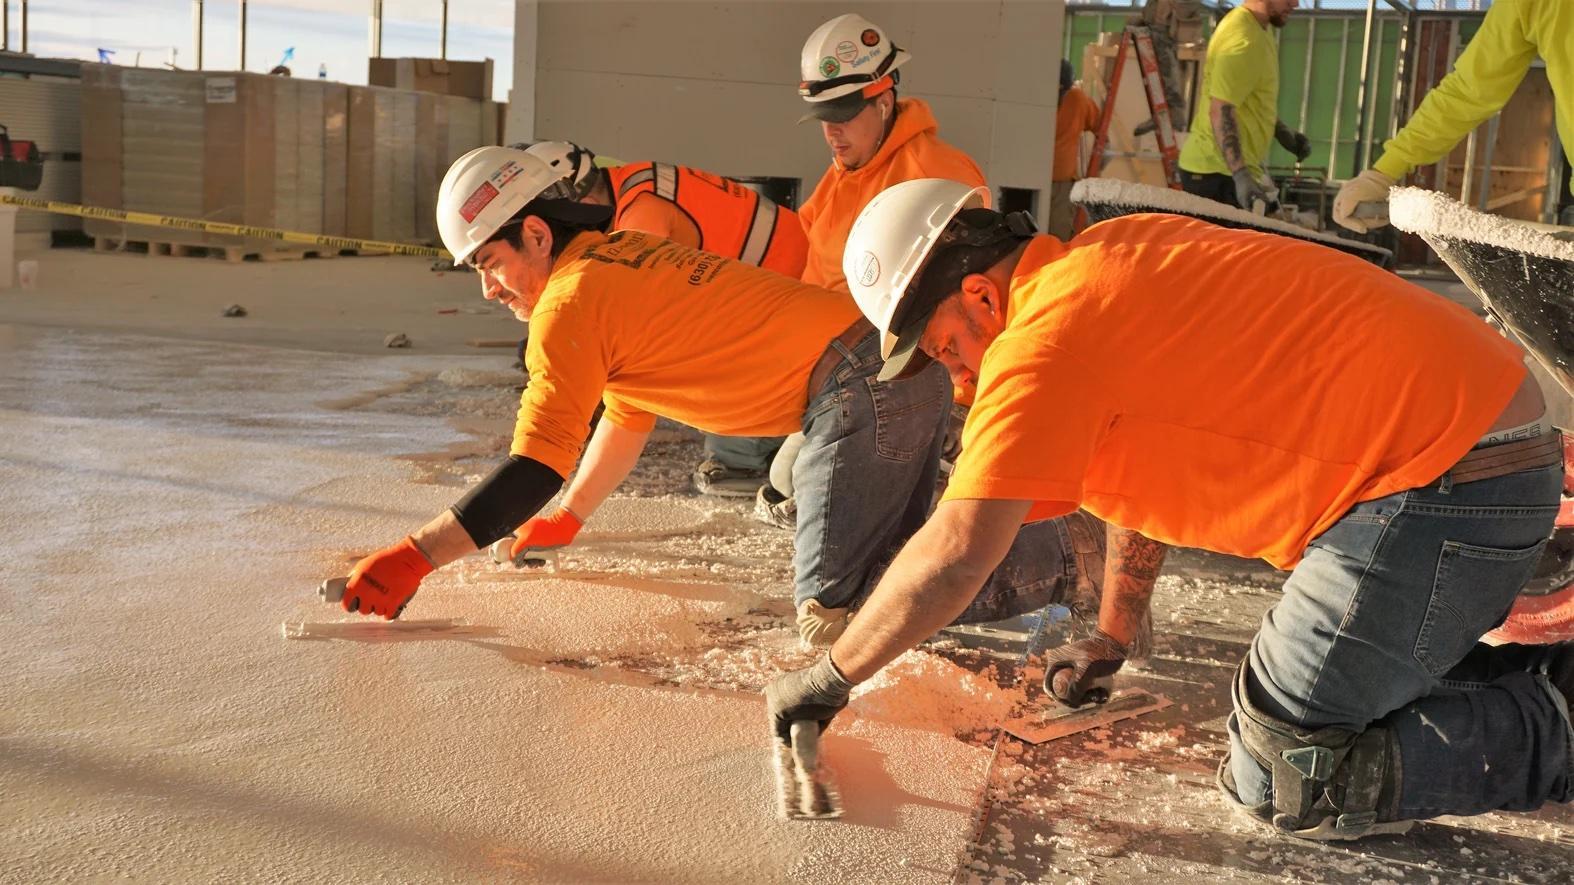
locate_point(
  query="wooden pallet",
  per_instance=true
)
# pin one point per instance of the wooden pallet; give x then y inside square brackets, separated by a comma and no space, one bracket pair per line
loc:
[231,254]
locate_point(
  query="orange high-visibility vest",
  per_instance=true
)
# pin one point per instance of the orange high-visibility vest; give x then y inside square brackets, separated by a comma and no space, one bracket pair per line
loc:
[733,220]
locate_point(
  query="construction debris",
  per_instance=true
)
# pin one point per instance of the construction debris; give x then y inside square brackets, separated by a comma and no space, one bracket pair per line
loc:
[234,310]
[397,339]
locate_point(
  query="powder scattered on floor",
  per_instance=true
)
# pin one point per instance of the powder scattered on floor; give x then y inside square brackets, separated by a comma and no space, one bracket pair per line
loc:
[924,690]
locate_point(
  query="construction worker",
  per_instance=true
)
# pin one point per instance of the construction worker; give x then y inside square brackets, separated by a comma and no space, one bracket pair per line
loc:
[850,73]
[1074,115]
[702,211]
[1378,440]
[646,326]
[1512,35]
[1237,111]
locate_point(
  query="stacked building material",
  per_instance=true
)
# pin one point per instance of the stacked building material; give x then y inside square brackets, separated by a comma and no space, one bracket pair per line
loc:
[301,155]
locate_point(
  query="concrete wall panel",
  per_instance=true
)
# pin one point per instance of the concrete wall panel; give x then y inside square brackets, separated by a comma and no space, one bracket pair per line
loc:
[712,85]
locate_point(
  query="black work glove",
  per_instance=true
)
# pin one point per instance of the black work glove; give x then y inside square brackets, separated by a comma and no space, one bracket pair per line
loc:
[816,694]
[1295,142]
[1082,671]
[1248,190]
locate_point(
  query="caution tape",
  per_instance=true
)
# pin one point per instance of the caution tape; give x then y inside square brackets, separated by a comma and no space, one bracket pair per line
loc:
[221,227]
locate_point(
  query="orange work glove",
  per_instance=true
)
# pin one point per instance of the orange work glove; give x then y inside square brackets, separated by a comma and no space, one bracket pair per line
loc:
[384,582]
[546,532]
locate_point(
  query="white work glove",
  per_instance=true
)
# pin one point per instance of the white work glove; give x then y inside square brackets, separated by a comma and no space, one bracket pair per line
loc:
[818,626]
[1370,186]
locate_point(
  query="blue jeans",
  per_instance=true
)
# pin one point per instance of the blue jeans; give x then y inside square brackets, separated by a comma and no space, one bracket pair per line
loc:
[864,481]
[743,452]
[1379,625]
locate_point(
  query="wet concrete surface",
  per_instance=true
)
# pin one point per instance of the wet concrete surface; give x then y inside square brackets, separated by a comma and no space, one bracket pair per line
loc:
[173,497]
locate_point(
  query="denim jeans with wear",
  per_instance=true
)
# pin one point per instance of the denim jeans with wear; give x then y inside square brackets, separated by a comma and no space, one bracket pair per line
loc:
[743,452]
[864,481]
[1379,625]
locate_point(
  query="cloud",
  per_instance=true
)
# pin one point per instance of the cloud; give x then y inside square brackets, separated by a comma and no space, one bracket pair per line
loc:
[324,32]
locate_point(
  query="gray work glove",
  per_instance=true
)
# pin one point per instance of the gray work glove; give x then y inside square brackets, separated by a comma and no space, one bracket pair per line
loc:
[1083,671]
[813,695]
[1249,191]
[1295,142]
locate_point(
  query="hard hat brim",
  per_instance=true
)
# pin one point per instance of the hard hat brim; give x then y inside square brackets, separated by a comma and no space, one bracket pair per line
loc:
[571,211]
[906,360]
[837,110]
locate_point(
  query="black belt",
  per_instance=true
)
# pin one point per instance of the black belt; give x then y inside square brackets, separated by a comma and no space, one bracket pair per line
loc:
[1505,458]
[828,360]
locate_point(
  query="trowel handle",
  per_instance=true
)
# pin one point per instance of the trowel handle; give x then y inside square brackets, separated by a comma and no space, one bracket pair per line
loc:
[332,590]
[805,734]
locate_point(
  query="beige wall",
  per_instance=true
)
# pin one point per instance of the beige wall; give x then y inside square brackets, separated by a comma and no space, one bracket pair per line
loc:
[712,85]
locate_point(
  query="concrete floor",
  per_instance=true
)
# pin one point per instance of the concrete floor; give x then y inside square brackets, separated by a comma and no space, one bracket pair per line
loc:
[177,483]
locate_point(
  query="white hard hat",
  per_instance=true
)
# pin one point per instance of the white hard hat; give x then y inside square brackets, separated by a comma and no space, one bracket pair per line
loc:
[842,59]
[891,244]
[577,165]
[488,186]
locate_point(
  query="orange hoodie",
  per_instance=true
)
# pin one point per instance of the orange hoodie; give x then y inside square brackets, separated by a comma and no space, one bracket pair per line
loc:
[912,150]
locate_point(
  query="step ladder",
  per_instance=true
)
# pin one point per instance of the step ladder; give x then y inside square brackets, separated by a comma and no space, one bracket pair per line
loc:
[1141,39]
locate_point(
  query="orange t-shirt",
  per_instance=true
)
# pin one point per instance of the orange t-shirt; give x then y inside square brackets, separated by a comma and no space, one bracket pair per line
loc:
[912,150]
[1223,389]
[1077,114]
[655,328]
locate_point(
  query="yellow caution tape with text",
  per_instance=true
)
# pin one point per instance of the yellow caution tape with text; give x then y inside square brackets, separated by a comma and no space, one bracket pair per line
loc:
[221,227]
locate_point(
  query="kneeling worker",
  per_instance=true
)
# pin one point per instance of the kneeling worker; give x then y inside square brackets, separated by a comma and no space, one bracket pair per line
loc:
[642,324]
[701,211]
[1377,439]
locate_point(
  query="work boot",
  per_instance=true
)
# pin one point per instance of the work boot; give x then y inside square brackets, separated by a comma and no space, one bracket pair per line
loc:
[773,508]
[1560,672]
[713,477]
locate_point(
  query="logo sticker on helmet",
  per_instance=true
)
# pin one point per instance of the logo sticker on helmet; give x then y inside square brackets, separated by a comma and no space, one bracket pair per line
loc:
[477,201]
[870,37]
[830,67]
[868,269]
[506,173]
[846,51]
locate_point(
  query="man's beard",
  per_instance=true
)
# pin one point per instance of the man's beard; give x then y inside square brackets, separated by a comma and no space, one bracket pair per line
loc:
[1279,19]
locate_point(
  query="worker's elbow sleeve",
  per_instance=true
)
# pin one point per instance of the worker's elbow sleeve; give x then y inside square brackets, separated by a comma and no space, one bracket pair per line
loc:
[513,493]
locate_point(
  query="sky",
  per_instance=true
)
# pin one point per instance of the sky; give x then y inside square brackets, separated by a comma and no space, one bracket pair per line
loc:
[331,32]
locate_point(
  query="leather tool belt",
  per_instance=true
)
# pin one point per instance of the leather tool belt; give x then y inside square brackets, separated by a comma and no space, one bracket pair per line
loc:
[828,360]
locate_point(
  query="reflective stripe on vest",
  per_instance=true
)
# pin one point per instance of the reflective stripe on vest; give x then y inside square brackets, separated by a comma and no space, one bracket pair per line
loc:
[758,241]
[733,220]
[666,181]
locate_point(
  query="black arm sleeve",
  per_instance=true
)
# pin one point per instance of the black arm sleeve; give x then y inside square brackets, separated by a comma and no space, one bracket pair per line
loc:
[515,491]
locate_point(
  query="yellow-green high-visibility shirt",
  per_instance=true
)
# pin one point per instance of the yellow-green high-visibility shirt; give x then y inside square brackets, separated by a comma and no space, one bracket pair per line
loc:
[1485,77]
[1242,68]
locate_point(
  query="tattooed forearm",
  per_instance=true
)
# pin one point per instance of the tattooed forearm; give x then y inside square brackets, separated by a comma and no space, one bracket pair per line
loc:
[1133,564]
[1227,133]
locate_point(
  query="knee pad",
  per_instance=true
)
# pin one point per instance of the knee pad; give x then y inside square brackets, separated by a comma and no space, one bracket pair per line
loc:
[1325,783]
